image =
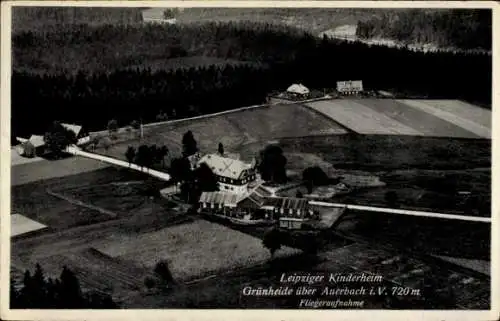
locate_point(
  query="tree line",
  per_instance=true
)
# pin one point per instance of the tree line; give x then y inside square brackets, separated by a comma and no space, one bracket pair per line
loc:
[126,94]
[464,29]
[39,292]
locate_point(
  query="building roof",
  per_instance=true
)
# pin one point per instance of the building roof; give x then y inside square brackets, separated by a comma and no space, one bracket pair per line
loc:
[287,202]
[74,128]
[252,200]
[219,198]
[21,140]
[223,166]
[36,140]
[298,89]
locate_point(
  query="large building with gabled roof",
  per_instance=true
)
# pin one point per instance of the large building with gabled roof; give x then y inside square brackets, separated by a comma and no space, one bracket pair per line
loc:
[233,175]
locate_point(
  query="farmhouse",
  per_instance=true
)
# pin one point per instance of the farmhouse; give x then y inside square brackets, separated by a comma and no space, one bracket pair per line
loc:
[233,175]
[351,87]
[81,135]
[298,90]
[32,147]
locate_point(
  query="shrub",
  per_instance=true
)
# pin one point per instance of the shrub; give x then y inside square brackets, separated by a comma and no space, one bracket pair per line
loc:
[163,271]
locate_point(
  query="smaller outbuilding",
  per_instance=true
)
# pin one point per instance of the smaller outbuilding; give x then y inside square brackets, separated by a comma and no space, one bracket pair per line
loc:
[32,147]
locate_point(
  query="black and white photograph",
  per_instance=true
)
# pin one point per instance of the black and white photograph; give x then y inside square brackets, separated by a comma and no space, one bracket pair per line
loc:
[176,156]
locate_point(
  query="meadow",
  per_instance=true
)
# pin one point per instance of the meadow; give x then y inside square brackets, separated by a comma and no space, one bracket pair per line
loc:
[233,130]
[433,118]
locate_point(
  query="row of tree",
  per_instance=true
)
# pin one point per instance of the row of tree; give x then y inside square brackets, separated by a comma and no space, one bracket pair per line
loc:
[40,292]
[147,156]
[464,29]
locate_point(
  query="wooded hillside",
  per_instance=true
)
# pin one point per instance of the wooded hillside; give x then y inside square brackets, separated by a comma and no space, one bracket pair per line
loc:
[464,29]
[127,88]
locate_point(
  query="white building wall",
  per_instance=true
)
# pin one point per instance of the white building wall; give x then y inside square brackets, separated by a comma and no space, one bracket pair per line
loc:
[237,189]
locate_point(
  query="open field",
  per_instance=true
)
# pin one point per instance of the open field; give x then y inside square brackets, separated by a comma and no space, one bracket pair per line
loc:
[44,169]
[17,159]
[460,116]
[361,119]
[192,250]
[395,266]
[391,152]
[21,225]
[438,118]
[35,201]
[427,123]
[235,129]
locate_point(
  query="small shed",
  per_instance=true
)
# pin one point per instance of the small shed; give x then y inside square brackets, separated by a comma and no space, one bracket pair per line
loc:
[32,147]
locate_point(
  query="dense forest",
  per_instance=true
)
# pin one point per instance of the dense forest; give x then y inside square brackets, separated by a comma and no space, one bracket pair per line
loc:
[56,18]
[39,292]
[464,29]
[279,55]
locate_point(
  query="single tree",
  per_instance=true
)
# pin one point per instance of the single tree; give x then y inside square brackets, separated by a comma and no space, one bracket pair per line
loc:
[206,179]
[163,153]
[28,149]
[180,170]
[70,291]
[58,138]
[130,154]
[272,165]
[314,176]
[391,198]
[221,149]
[149,282]
[143,156]
[112,126]
[272,240]
[163,271]
[135,124]
[189,145]
[14,295]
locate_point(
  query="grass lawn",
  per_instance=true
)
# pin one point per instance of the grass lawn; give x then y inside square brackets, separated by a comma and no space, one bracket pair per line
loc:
[44,169]
[193,250]
[393,152]
[33,201]
[234,130]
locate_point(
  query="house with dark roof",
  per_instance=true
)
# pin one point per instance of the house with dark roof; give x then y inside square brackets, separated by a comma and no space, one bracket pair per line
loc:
[252,208]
